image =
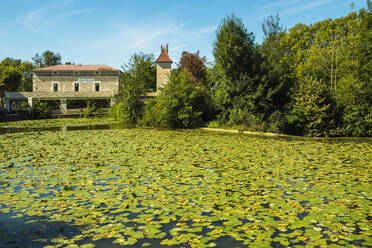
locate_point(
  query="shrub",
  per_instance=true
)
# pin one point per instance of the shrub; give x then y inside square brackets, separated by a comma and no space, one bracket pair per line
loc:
[113,111]
[311,110]
[41,110]
[357,120]
[90,109]
[179,105]
[130,106]
[276,122]
[213,124]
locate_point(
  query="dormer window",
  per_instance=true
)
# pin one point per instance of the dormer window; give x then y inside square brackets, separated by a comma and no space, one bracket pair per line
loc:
[76,73]
[97,72]
[55,72]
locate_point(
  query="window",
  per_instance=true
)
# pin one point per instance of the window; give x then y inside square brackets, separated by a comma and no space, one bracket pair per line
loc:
[55,73]
[97,86]
[55,87]
[76,73]
[97,73]
[76,87]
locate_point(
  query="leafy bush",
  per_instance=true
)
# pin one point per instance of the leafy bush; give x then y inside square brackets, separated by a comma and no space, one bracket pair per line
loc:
[357,120]
[90,109]
[213,124]
[179,105]
[311,110]
[113,111]
[276,122]
[41,110]
[130,106]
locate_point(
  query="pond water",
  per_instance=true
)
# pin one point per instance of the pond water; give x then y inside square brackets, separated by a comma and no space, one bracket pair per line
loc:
[9,130]
[107,186]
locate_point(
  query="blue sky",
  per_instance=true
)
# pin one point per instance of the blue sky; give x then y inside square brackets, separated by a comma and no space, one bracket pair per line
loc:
[109,31]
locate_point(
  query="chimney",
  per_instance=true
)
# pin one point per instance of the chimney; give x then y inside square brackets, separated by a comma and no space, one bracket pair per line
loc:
[166,47]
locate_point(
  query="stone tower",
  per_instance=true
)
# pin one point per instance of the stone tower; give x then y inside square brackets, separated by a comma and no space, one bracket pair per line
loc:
[163,68]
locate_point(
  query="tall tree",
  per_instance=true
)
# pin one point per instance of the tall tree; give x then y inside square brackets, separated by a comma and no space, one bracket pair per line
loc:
[277,76]
[24,67]
[238,60]
[139,76]
[10,79]
[234,49]
[47,58]
[26,83]
[194,66]
[311,109]
[141,70]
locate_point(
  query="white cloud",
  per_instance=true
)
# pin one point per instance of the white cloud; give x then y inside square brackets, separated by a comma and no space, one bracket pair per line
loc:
[304,6]
[117,46]
[73,13]
[294,6]
[37,20]
[279,4]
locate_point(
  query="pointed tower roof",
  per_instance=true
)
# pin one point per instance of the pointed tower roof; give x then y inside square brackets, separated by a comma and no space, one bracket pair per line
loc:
[164,57]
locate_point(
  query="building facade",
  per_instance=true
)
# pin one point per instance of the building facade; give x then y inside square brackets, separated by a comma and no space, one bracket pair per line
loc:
[163,68]
[65,83]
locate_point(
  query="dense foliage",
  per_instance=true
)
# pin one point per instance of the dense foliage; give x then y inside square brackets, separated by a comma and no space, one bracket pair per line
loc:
[313,79]
[139,77]
[238,63]
[41,110]
[15,74]
[128,108]
[140,70]
[194,66]
[47,58]
[180,104]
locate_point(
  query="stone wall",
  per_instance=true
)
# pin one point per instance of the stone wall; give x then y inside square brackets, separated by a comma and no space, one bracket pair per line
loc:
[163,71]
[58,95]
[67,83]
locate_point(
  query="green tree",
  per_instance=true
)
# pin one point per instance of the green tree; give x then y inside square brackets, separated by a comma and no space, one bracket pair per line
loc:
[10,79]
[238,61]
[130,103]
[25,68]
[179,104]
[139,76]
[141,70]
[311,110]
[47,58]
[234,49]
[276,77]
[337,53]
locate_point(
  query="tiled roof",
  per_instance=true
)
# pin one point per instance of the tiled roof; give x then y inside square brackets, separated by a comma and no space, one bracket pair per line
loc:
[76,68]
[164,57]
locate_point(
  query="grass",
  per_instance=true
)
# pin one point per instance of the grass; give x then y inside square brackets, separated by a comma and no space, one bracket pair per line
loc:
[187,188]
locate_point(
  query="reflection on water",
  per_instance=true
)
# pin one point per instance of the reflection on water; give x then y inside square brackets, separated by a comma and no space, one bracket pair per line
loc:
[9,130]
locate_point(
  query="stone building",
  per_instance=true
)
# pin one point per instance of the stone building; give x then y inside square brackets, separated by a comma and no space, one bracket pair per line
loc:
[163,67]
[65,84]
